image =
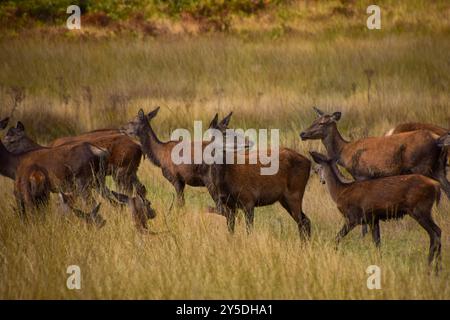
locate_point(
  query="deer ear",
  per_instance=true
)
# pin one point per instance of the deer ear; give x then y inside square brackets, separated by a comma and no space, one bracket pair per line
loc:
[318,111]
[336,116]
[141,114]
[225,121]
[214,121]
[318,157]
[20,126]
[153,113]
[4,123]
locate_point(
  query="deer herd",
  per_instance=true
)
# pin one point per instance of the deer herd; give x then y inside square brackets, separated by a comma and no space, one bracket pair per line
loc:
[401,173]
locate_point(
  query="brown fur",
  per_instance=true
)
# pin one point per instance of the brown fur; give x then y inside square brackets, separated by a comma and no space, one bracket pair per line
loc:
[125,156]
[412,126]
[17,142]
[403,153]
[242,186]
[41,172]
[159,153]
[368,202]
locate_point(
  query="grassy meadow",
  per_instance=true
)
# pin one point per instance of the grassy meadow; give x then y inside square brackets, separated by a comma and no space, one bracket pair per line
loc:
[66,85]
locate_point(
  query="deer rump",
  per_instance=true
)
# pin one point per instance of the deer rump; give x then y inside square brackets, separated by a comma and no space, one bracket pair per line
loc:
[404,153]
[54,165]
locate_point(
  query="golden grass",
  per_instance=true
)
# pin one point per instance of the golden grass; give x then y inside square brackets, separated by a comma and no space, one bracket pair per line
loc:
[268,85]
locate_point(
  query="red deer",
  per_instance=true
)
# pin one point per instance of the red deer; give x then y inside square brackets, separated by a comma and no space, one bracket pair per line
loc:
[123,163]
[17,142]
[413,126]
[159,153]
[242,186]
[377,157]
[59,170]
[372,201]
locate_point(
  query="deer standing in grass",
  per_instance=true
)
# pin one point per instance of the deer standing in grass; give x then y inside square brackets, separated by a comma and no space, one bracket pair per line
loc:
[66,169]
[376,157]
[17,142]
[242,186]
[160,153]
[372,201]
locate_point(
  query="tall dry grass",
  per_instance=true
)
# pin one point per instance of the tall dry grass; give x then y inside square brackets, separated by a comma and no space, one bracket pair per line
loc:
[76,85]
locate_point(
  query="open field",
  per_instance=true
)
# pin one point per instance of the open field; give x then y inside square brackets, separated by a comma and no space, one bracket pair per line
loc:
[70,85]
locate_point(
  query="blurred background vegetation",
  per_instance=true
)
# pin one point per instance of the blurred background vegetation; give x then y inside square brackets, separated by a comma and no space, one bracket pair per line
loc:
[274,17]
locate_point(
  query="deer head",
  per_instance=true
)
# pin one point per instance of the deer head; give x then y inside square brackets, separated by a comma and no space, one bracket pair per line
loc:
[14,136]
[321,127]
[239,142]
[136,127]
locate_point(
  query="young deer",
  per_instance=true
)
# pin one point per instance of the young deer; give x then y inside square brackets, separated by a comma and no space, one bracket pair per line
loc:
[17,142]
[372,201]
[160,153]
[242,186]
[399,154]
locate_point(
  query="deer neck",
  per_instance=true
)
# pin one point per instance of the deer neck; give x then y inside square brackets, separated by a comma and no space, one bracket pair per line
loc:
[333,181]
[334,143]
[8,163]
[26,145]
[152,146]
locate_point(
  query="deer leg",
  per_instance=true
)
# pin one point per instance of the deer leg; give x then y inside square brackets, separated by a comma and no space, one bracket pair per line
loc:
[375,228]
[229,211]
[440,173]
[20,207]
[67,202]
[348,226]
[213,192]
[138,185]
[139,217]
[179,188]
[434,232]
[249,217]
[363,230]
[294,207]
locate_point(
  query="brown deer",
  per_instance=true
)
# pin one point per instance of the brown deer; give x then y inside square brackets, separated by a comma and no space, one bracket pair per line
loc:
[123,163]
[60,170]
[372,201]
[17,142]
[413,126]
[159,153]
[376,157]
[242,186]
